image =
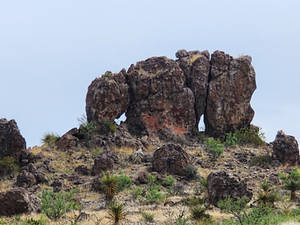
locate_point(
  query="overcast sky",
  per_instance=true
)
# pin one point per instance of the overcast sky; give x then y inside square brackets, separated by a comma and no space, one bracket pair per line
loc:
[50,51]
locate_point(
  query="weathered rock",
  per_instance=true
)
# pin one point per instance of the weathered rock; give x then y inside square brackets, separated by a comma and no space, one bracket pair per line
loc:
[232,83]
[142,177]
[68,140]
[83,170]
[222,185]
[285,148]
[18,201]
[105,161]
[11,140]
[196,68]
[160,104]
[107,97]
[57,185]
[26,179]
[137,157]
[171,159]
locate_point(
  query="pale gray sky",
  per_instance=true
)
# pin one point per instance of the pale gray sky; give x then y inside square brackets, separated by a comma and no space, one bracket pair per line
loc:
[50,51]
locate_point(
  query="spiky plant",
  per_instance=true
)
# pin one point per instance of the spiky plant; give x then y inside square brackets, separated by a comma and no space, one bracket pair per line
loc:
[267,195]
[110,185]
[291,182]
[116,213]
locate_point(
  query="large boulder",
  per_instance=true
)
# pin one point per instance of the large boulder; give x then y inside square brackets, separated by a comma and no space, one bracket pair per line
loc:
[107,97]
[285,148]
[160,104]
[18,201]
[105,161]
[222,185]
[232,83]
[171,159]
[69,140]
[11,141]
[196,68]
[26,179]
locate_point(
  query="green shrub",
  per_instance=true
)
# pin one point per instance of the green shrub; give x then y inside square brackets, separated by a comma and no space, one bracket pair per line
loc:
[109,184]
[116,213]
[215,147]
[41,221]
[136,192]
[10,162]
[169,181]
[231,139]
[181,221]
[50,139]
[154,196]
[191,172]
[148,217]
[267,196]
[123,181]
[55,205]
[260,160]
[291,182]
[96,151]
[250,136]
[151,180]
[198,212]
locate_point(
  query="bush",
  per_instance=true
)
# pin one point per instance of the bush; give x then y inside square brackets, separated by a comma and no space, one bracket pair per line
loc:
[136,192]
[250,136]
[151,181]
[154,196]
[148,217]
[291,182]
[260,160]
[231,139]
[116,213]
[198,213]
[267,196]
[123,181]
[215,147]
[191,172]
[41,221]
[55,205]
[10,163]
[110,184]
[169,181]
[50,139]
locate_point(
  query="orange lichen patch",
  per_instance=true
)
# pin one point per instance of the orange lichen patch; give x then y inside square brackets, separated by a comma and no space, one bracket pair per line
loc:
[180,131]
[151,122]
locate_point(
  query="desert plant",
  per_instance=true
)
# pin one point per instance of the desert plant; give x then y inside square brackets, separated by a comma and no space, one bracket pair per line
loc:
[55,205]
[267,196]
[191,172]
[260,160]
[41,221]
[231,139]
[116,213]
[136,192]
[291,182]
[109,184]
[198,212]
[151,180]
[250,136]
[215,147]
[10,163]
[169,181]
[148,217]
[154,196]
[235,207]
[123,181]
[50,139]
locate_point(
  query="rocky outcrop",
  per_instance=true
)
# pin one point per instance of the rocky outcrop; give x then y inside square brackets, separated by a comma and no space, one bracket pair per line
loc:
[68,140]
[171,159]
[222,185]
[160,104]
[196,68]
[286,149]
[232,83]
[107,97]
[18,201]
[11,140]
[165,98]
[105,161]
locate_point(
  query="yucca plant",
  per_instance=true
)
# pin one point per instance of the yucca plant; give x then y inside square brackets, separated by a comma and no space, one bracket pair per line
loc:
[109,184]
[116,213]
[291,182]
[267,195]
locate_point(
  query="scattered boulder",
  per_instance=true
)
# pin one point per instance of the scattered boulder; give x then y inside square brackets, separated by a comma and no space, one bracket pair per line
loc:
[83,170]
[222,184]
[26,179]
[18,201]
[232,83]
[137,157]
[68,140]
[142,177]
[171,159]
[57,185]
[286,149]
[105,161]
[196,68]
[11,140]
[160,104]
[107,97]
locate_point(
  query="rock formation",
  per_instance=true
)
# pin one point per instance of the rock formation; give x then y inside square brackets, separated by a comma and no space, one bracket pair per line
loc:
[285,148]
[166,98]
[11,141]
[171,159]
[231,85]
[222,185]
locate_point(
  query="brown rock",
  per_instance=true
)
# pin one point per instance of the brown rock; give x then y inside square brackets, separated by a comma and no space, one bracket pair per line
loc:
[18,201]
[26,179]
[222,185]
[196,68]
[105,161]
[11,140]
[160,104]
[68,140]
[231,86]
[171,159]
[285,148]
[107,97]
